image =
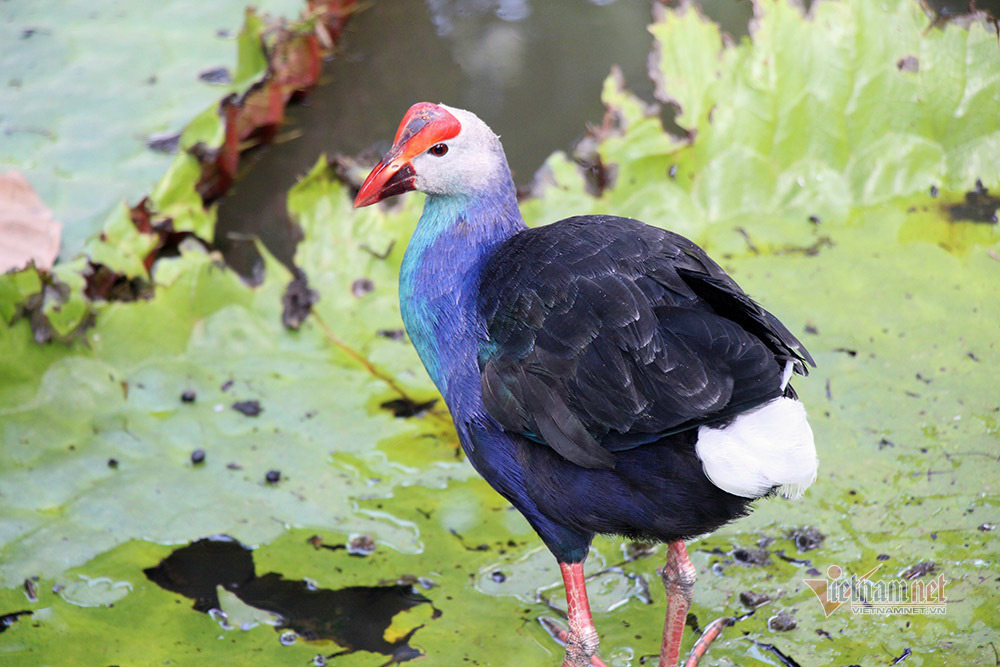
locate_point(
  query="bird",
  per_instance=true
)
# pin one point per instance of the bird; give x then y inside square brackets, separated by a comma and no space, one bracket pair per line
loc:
[605,376]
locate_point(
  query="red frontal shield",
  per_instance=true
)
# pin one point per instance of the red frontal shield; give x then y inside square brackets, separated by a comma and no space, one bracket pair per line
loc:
[423,126]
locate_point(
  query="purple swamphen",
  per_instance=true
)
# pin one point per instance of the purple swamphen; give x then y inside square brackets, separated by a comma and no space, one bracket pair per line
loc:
[604,375]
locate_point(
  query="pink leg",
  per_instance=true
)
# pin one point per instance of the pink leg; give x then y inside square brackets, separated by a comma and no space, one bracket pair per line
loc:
[678,577]
[581,641]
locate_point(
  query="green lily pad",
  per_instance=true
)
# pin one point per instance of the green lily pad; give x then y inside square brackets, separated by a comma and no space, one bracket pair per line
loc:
[808,174]
[76,119]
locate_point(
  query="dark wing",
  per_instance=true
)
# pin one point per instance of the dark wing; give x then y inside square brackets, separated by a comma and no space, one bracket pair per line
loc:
[604,333]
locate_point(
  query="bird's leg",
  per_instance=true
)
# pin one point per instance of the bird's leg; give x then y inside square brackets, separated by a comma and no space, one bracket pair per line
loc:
[582,639]
[678,577]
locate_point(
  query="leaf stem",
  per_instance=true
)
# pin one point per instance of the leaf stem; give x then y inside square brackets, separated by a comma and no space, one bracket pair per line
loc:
[368,365]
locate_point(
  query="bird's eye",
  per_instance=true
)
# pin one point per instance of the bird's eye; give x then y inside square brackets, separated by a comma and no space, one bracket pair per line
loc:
[438,150]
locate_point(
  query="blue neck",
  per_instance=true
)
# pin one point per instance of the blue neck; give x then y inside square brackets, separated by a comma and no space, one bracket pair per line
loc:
[438,293]
[439,282]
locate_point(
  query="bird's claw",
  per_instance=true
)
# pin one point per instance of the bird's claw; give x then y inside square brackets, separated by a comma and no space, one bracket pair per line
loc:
[556,631]
[711,633]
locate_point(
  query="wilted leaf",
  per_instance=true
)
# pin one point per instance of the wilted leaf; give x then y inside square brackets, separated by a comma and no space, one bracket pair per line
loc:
[28,234]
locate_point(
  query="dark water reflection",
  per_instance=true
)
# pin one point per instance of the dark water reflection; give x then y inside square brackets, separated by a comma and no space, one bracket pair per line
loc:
[355,617]
[531,69]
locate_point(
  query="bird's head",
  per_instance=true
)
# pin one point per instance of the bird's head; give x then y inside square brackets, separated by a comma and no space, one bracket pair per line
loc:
[438,150]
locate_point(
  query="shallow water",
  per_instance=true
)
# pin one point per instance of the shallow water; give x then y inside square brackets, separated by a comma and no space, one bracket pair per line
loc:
[531,70]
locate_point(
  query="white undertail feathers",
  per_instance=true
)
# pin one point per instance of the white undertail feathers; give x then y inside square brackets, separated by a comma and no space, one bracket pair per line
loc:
[769,446]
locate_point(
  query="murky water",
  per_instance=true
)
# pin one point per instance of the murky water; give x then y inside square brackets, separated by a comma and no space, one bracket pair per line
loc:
[531,69]
[355,617]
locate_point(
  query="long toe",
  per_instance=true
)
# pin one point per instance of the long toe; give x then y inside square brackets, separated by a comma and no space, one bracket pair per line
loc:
[712,631]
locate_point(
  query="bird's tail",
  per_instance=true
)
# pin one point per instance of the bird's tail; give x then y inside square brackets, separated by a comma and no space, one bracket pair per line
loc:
[770,446]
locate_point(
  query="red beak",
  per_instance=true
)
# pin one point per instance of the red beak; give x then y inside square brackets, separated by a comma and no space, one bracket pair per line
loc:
[394,175]
[423,126]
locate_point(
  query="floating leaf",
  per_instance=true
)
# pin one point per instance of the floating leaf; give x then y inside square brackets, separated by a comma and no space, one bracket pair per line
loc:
[77,125]
[808,174]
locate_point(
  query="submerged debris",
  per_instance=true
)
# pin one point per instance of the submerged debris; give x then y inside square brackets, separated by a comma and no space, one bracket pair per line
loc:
[362,286]
[979,206]
[908,63]
[807,538]
[780,553]
[781,622]
[752,599]
[356,617]
[164,142]
[412,580]
[362,545]
[902,656]
[219,76]
[921,569]
[391,334]
[407,407]
[751,557]
[317,542]
[765,541]
[250,408]
[478,547]
[30,590]
[297,301]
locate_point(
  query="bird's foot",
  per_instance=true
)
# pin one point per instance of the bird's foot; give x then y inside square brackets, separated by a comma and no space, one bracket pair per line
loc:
[580,649]
[562,636]
[712,631]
